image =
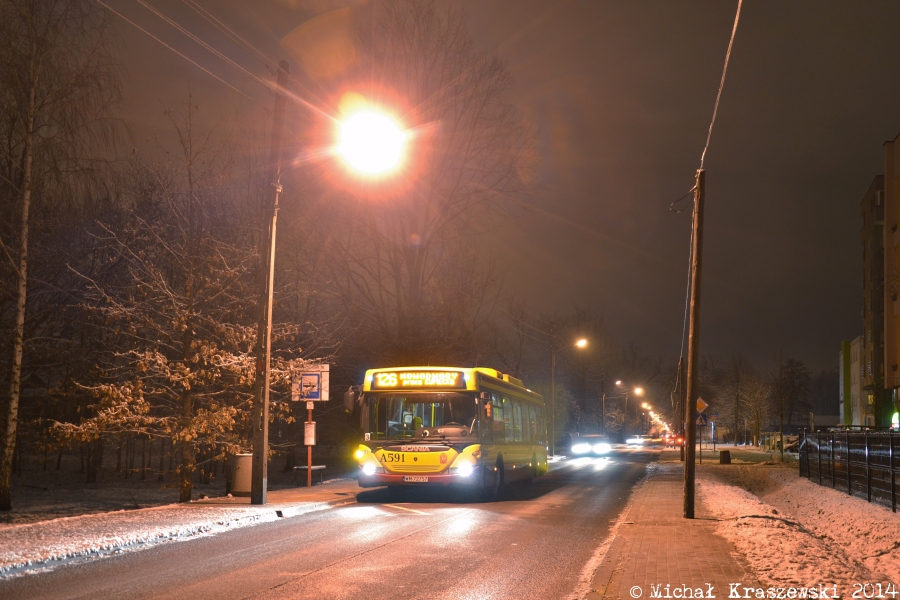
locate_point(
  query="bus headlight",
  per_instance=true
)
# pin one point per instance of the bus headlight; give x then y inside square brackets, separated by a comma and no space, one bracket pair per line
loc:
[465,469]
[369,468]
[581,448]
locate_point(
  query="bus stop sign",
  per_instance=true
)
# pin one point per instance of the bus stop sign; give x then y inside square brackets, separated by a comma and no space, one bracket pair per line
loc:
[311,385]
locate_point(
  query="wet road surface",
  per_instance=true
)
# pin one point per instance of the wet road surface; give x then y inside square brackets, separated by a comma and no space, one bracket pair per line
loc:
[534,543]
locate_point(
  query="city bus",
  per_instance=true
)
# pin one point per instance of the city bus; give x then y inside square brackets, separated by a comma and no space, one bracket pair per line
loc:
[470,428]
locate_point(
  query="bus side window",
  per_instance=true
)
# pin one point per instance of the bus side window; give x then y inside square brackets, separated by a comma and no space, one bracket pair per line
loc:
[529,425]
[507,420]
[486,425]
[517,420]
[541,428]
[500,416]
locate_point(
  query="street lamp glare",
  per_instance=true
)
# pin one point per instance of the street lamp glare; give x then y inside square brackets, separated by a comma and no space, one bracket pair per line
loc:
[581,343]
[371,142]
[639,391]
[618,382]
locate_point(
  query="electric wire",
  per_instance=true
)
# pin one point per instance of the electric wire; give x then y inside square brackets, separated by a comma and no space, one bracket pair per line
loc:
[268,85]
[196,64]
[221,55]
[737,17]
[265,59]
[712,122]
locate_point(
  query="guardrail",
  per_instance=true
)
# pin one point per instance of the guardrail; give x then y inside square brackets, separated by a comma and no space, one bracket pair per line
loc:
[861,463]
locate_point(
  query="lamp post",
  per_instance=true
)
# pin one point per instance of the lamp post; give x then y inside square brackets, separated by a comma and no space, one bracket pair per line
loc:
[582,343]
[260,419]
[371,144]
[638,391]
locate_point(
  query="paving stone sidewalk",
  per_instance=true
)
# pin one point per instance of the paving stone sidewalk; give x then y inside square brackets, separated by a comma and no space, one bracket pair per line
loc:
[655,546]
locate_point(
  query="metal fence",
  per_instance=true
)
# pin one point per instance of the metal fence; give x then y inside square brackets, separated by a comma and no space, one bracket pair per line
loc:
[861,463]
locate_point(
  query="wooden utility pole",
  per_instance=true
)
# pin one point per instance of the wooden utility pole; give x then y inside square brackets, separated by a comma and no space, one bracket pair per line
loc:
[680,404]
[690,413]
[552,389]
[259,477]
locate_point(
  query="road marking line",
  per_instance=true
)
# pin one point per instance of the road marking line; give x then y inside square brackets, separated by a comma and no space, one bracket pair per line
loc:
[418,512]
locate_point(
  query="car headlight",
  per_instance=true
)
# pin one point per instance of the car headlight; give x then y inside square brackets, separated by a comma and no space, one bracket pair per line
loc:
[581,448]
[602,448]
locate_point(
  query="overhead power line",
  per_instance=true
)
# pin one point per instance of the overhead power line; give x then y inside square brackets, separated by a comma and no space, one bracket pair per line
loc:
[737,17]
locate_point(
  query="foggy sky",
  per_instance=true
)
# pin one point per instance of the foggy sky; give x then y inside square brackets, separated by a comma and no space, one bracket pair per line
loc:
[621,94]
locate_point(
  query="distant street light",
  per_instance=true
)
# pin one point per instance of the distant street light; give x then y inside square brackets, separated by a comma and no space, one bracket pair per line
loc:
[582,343]
[637,391]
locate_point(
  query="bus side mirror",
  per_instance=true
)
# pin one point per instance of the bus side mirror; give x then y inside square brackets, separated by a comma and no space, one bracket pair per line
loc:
[350,398]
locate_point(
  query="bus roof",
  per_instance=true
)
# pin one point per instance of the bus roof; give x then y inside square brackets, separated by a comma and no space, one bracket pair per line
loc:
[432,379]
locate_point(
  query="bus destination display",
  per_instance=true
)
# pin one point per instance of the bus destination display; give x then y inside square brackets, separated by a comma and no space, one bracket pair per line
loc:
[418,379]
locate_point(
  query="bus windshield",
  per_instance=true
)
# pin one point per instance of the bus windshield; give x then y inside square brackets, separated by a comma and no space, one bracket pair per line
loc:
[392,417]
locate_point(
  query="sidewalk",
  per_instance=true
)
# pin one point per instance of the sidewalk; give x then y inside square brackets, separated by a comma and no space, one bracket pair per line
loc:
[24,546]
[655,546]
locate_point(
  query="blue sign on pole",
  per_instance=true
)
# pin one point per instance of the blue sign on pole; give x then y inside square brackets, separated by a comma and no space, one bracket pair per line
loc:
[311,386]
[701,419]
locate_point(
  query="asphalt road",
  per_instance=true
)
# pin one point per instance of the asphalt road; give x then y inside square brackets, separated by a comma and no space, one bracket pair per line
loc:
[534,543]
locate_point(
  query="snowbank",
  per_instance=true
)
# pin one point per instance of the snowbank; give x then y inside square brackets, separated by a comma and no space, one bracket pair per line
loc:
[792,531]
[30,546]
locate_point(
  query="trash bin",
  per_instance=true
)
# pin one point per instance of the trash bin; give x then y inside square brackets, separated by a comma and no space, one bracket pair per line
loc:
[243,475]
[724,457]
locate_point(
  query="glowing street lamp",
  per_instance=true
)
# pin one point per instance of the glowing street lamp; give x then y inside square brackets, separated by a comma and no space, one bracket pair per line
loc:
[371,142]
[582,343]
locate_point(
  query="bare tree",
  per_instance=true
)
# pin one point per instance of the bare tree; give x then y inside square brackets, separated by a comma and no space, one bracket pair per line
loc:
[790,383]
[58,88]
[756,402]
[731,391]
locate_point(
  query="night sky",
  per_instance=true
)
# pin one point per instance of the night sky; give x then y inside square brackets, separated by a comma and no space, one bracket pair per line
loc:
[620,95]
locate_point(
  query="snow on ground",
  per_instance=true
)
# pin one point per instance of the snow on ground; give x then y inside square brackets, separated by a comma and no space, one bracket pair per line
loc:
[792,531]
[28,545]
[40,495]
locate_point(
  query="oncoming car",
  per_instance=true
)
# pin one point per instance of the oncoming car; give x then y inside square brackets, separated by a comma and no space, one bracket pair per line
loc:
[591,444]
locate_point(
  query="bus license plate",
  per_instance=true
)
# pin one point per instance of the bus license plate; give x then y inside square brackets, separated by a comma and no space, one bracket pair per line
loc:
[415,479]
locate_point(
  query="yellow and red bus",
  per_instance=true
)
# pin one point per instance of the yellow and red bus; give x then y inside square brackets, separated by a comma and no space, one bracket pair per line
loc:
[474,428]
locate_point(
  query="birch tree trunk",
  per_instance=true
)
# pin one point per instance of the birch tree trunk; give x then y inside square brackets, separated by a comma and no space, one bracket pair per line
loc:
[12,413]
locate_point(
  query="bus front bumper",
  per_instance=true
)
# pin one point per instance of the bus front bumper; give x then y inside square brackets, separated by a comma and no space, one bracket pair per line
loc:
[474,479]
